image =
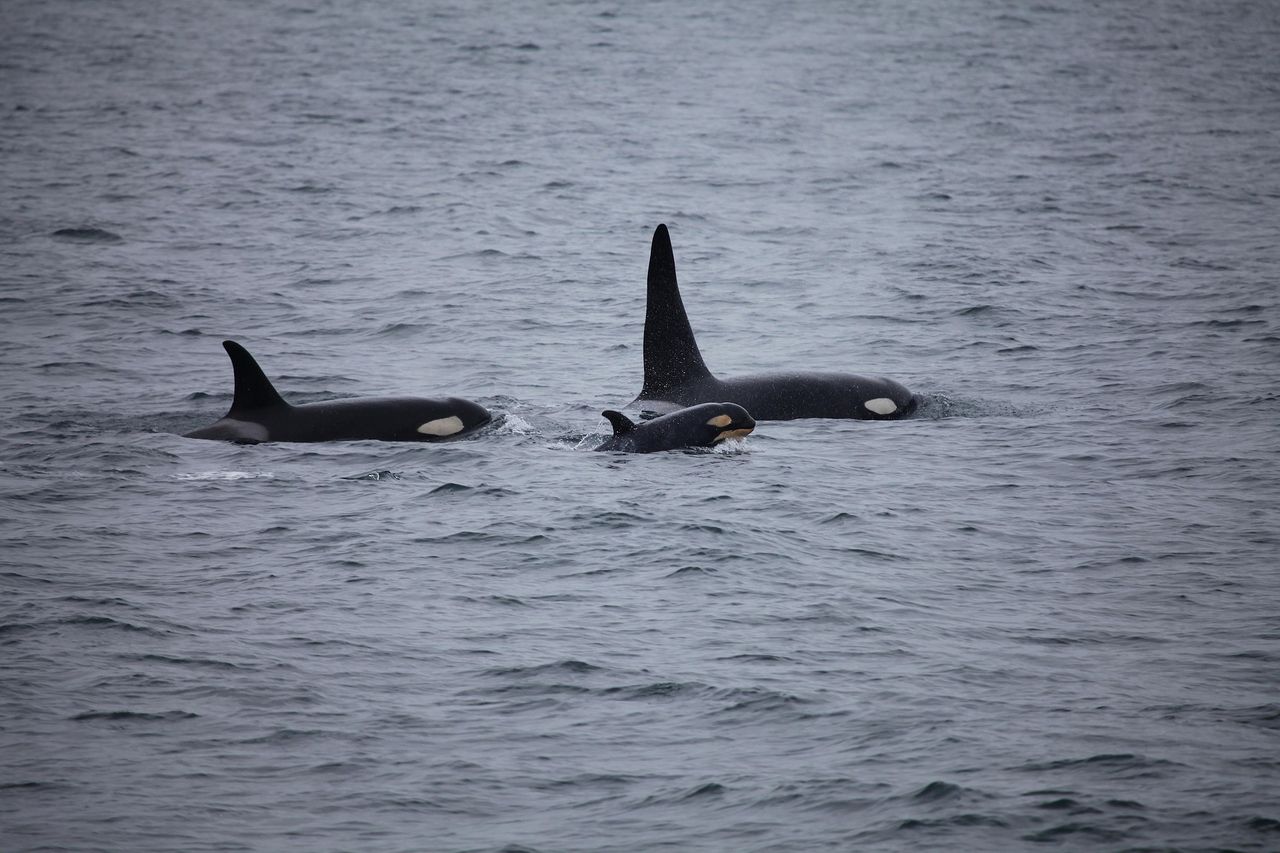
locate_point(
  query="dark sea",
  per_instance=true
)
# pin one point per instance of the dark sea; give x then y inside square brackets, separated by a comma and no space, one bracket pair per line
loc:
[1043,613]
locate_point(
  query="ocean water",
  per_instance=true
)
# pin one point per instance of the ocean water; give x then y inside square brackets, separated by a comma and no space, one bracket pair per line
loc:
[1039,615]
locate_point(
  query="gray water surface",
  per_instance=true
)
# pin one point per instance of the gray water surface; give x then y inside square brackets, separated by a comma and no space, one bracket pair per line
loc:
[1040,614]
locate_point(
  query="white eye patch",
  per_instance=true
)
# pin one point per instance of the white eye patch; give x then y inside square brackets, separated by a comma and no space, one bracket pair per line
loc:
[442,426]
[720,421]
[881,406]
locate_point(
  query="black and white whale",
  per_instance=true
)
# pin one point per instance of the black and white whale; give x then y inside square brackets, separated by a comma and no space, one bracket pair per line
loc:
[705,425]
[675,374]
[258,413]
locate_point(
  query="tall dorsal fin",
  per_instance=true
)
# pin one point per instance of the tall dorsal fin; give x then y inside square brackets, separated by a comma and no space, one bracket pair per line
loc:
[671,355]
[253,389]
[621,423]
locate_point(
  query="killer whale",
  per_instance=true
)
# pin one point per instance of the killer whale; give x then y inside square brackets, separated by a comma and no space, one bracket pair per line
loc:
[704,425]
[258,413]
[675,374]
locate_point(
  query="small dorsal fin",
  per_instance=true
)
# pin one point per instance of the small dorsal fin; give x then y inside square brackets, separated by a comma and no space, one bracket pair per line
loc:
[621,423]
[253,389]
[671,355]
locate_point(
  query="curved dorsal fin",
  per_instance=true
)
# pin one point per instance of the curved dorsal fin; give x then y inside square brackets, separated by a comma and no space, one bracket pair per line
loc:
[621,423]
[671,355]
[253,389]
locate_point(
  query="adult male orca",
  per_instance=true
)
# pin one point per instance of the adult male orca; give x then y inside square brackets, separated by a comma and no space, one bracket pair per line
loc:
[258,413]
[696,426]
[675,374]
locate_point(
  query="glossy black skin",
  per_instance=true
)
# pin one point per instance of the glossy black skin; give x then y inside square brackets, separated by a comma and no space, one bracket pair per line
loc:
[689,427]
[675,374]
[259,414]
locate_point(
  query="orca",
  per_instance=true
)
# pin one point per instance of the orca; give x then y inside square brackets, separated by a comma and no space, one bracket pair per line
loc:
[675,374]
[705,425]
[258,413]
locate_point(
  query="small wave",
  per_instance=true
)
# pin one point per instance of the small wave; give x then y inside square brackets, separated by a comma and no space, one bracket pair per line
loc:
[18,576]
[871,554]
[1059,803]
[506,600]
[397,330]
[225,475]
[33,786]
[110,624]
[1125,764]
[656,690]
[376,475]
[568,665]
[759,699]
[86,235]
[133,299]
[966,819]
[107,602]
[114,716]
[687,571]
[974,310]
[479,253]
[840,517]
[509,424]
[181,661]
[1201,264]
[758,658]
[701,528]
[708,789]
[586,780]
[611,519]
[1084,833]
[286,736]
[451,488]
[935,791]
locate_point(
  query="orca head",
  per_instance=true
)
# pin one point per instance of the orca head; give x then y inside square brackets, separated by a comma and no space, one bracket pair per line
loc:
[712,423]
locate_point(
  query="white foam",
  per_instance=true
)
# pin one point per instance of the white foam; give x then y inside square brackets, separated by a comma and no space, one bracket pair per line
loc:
[226,475]
[513,425]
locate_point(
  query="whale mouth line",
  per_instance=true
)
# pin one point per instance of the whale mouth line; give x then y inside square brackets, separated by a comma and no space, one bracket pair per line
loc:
[741,432]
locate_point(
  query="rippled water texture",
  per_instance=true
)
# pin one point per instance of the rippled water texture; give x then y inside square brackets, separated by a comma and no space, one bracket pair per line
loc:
[1040,614]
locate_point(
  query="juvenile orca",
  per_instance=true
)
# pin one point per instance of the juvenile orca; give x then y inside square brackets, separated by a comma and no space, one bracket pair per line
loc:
[258,413]
[696,426]
[675,374]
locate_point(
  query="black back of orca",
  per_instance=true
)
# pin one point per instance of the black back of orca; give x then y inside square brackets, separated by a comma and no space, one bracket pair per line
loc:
[258,413]
[675,374]
[705,425]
